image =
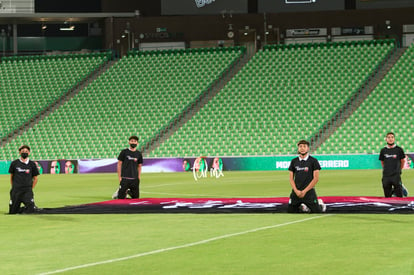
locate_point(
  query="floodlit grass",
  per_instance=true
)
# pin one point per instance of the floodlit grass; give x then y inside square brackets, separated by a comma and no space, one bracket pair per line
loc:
[205,243]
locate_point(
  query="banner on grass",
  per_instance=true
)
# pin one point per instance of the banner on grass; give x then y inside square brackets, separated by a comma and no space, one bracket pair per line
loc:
[235,205]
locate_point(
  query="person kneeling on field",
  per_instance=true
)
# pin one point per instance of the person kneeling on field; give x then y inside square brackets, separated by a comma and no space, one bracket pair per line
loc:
[23,178]
[303,176]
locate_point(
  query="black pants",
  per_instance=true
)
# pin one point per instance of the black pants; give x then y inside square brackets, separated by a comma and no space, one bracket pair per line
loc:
[19,196]
[392,185]
[310,199]
[132,185]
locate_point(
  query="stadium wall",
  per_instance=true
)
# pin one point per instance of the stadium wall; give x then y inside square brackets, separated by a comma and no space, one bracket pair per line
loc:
[268,28]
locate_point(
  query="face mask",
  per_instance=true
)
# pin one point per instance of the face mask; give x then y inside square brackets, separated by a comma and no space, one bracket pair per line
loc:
[24,155]
[133,145]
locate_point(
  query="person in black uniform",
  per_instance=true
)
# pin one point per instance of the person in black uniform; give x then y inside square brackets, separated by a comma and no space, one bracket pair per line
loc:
[392,159]
[129,170]
[303,176]
[23,178]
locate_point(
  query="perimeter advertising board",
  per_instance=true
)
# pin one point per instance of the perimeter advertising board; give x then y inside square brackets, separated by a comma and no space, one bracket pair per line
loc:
[235,163]
[271,163]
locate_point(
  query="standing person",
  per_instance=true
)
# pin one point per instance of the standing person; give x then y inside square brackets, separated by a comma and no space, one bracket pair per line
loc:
[23,178]
[129,170]
[392,160]
[303,176]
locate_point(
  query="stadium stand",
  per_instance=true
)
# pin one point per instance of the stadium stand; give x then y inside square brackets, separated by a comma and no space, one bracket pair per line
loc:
[139,94]
[30,84]
[388,108]
[283,94]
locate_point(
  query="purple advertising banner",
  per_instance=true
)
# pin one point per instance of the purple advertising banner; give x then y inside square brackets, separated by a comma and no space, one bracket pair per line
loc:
[149,165]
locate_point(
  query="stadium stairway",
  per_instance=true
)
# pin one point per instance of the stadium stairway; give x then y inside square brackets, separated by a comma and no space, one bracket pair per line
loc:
[353,103]
[205,96]
[387,108]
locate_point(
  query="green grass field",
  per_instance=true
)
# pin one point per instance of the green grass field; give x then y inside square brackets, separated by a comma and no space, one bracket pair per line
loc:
[205,243]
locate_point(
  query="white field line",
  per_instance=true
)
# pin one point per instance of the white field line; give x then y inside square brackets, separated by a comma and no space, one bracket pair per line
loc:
[181,246]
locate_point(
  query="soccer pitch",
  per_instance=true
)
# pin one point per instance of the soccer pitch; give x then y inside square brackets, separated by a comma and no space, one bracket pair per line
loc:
[204,243]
